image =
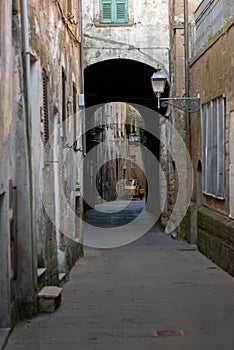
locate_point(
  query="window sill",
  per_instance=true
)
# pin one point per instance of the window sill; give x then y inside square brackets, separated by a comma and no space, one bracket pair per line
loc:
[213,196]
[107,25]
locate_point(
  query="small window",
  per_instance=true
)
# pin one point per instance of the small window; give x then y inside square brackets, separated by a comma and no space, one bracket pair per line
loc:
[69,8]
[64,105]
[113,11]
[133,165]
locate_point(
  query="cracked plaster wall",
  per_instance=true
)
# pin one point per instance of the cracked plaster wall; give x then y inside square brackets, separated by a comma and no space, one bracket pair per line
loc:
[145,38]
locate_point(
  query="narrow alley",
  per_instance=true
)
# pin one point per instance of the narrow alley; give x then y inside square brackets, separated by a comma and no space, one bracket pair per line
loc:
[116,175]
[156,293]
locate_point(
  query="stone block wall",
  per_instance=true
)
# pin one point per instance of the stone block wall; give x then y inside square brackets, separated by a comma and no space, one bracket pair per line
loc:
[212,73]
[216,238]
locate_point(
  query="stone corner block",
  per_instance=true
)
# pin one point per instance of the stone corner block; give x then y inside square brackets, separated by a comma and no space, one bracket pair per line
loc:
[49,298]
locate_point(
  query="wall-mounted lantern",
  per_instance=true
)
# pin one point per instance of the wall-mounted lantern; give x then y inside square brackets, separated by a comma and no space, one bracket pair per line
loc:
[187,104]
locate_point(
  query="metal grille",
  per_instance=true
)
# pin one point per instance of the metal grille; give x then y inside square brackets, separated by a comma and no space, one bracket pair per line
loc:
[231,170]
[45,105]
[74,110]
[169,333]
[213,147]
[64,103]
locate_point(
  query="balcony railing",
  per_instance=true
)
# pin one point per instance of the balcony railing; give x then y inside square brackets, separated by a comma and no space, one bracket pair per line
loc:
[209,18]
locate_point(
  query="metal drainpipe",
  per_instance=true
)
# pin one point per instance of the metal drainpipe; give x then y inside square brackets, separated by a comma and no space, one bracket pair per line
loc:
[188,131]
[27,93]
[26,58]
[79,7]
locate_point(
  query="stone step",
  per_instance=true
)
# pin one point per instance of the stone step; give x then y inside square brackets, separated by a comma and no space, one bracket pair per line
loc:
[40,278]
[62,278]
[49,298]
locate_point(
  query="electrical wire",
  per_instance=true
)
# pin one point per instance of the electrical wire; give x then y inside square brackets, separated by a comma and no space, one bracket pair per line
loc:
[65,21]
[120,97]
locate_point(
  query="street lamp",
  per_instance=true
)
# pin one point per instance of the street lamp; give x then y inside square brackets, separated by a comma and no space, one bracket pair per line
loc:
[187,104]
[134,137]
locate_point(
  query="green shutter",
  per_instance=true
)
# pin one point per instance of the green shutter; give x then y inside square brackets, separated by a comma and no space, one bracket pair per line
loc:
[113,11]
[106,11]
[121,11]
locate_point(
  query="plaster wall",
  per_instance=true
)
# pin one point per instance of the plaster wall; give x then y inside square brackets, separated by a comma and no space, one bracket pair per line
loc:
[16,259]
[145,38]
[55,47]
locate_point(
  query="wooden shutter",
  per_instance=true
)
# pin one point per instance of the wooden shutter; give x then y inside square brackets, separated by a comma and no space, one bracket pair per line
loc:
[74,114]
[231,166]
[113,11]
[13,228]
[45,105]
[64,105]
[221,146]
[106,11]
[213,147]
[69,8]
[121,11]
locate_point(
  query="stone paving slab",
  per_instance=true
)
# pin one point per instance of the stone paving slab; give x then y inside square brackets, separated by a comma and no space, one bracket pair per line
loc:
[122,298]
[4,333]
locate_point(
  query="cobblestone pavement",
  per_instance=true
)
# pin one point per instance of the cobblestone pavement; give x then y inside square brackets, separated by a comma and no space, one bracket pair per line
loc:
[155,293]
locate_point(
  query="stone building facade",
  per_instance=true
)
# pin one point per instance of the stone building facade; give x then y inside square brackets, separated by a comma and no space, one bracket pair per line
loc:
[118,155]
[209,218]
[181,25]
[212,76]
[120,56]
[142,36]
[41,126]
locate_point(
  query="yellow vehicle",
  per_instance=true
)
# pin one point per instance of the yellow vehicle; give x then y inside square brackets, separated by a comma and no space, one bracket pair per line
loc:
[132,189]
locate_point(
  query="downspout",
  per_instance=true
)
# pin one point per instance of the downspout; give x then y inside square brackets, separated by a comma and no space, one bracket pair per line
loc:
[187,77]
[81,74]
[27,95]
[26,62]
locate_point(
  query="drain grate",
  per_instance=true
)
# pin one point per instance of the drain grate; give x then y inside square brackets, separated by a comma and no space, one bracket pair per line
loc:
[163,333]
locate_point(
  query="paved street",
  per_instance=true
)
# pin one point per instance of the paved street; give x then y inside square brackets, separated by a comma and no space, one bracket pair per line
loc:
[155,293]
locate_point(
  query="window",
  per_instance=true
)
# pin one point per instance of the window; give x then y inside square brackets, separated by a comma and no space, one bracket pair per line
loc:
[64,105]
[213,147]
[74,109]
[45,105]
[113,11]
[133,163]
[69,8]
[231,165]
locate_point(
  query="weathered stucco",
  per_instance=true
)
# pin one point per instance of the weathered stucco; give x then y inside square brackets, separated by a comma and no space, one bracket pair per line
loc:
[212,75]
[35,174]
[145,38]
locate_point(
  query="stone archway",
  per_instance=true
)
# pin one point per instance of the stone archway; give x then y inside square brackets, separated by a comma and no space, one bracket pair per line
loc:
[124,80]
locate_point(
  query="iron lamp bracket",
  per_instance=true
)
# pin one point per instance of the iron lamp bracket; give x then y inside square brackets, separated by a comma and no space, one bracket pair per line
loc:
[187,104]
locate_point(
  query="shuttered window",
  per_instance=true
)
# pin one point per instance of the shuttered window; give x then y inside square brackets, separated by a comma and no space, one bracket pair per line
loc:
[69,7]
[213,147]
[45,105]
[64,105]
[231,166]
[113,11]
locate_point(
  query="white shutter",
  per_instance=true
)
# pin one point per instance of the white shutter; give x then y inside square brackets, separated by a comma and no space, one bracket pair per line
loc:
[231,167]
